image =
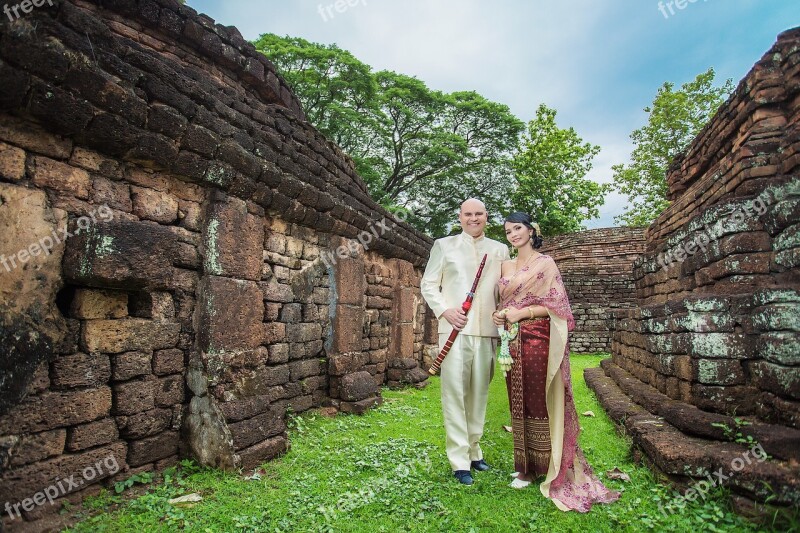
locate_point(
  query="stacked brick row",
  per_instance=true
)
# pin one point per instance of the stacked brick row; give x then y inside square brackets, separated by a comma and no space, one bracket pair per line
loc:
[203,293]
[719,303]
[596,266]
[716,332]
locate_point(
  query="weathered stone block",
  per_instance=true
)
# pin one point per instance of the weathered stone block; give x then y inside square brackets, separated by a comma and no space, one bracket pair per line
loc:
[94,304]
[402,341]
[153,448]
[273,291]
[403,363]
[275,332]
[361,407]
[121,254]
[91,435]
[730,400]
[153,305]
[351,283]
[56,409]
[260,427]
[275,242]
[291,313]
[30,479]
[346,363]
[46,172]
[12,162]
[278,353]
[134,397]
[144,424]
[357,386]
[302,403]
[233,241]
[718,372]
[297,350]
[722,345]
[701,322]
[263,451]
[129,365]
[781,380]
[169,391]
[168,362]
[237,410]
[37,447]
[34,138]
[405,304]
[302,369]
[779,316]
[347,329]
[260,381]
[781,347]
[414,375]
[115,336]
[80,370]
[31,327]
[231,315]
[304,332]
[157,206]
[683,367]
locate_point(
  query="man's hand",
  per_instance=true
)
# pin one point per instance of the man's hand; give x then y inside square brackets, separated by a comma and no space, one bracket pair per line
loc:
[456,317]
[499,318]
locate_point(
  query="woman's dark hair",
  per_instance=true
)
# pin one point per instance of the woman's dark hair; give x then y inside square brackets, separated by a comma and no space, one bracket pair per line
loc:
[518,217]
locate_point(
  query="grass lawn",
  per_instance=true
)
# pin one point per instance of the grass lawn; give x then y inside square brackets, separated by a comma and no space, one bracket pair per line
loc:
[387,471]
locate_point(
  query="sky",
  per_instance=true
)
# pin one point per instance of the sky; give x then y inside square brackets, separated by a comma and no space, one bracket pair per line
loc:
[598,63]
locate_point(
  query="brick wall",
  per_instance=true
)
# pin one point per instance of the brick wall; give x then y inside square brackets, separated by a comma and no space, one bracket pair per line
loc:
[597,268]
[211,282]
[718,320]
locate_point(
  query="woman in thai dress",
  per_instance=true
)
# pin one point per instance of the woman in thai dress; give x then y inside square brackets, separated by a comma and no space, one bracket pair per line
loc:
[544,420]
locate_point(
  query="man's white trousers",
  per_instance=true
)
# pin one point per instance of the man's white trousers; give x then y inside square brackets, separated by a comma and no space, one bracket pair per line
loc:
[466,373]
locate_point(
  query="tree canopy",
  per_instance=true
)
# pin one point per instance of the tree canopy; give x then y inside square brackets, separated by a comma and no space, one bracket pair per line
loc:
[551,167]
[675,118]
[426,150]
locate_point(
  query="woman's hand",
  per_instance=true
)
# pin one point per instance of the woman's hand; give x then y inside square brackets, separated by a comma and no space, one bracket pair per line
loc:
[515,315]
[510,315]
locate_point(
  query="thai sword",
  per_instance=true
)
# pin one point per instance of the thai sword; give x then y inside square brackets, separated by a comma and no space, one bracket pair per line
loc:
[434,369]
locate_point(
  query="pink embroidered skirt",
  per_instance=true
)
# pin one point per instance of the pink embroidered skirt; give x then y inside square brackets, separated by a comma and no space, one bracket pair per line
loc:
[526,397]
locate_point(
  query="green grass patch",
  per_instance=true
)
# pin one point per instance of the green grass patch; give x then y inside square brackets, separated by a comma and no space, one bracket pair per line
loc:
[387,471]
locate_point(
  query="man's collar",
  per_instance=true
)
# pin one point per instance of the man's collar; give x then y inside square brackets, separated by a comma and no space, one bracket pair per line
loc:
[469,238]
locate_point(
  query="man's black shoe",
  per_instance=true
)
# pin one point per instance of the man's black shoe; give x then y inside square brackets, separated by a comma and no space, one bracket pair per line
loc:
[480,466]
[463,477]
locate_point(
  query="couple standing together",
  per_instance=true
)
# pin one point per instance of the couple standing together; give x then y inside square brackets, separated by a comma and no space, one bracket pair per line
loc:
[525,295]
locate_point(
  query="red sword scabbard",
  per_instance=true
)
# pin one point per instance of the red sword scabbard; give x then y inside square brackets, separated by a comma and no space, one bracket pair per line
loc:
[466,306]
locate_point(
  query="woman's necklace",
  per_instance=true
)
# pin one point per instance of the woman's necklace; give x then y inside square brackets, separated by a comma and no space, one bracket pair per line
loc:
[520,269]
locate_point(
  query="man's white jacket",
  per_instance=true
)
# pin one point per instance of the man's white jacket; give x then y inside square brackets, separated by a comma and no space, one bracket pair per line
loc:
[449,275]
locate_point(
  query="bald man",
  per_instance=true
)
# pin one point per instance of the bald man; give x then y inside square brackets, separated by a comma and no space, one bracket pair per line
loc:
[468,368]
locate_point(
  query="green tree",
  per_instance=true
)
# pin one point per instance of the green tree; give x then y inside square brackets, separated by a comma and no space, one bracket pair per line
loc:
[551,167]
[675,119]
[416,148]
[338,92]
[444,148]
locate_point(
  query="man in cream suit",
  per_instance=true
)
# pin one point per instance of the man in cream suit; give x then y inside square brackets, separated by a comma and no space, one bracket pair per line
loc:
[468,368]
